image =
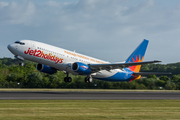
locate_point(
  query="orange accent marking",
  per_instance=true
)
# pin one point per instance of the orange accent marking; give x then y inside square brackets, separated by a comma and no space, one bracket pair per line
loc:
[136,68]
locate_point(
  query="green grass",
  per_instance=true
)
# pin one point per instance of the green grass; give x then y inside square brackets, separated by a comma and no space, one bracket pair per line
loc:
[89,109]
[82,90]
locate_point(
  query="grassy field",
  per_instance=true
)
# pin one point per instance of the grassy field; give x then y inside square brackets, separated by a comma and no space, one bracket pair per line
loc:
[84,90]
[89,109]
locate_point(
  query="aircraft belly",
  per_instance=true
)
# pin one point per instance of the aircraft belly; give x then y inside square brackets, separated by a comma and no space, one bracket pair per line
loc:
[113,75]
[105,74]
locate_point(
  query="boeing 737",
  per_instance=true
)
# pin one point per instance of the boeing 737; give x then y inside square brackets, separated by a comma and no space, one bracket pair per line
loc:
[50,59]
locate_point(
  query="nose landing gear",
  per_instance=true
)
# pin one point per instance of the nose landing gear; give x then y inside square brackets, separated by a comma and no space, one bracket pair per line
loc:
[21,59]
[21,63]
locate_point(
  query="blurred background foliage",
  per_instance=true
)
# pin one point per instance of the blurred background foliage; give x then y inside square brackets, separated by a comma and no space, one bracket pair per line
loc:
[14,76]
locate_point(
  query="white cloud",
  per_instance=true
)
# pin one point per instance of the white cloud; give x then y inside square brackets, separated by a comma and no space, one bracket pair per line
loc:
[106,29]
[3,4]
[15,13]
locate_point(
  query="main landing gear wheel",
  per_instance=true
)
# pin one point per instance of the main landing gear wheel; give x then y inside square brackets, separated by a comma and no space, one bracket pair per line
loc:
[67,79]
[88,79]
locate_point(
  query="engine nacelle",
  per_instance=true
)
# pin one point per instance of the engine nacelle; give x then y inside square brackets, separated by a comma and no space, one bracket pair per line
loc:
[81,68]
[46,69]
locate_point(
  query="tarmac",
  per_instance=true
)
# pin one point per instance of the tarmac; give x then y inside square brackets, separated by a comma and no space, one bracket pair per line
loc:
[9,95]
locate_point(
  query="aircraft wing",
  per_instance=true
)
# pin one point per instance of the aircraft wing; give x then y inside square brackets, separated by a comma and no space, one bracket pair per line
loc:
[98,67]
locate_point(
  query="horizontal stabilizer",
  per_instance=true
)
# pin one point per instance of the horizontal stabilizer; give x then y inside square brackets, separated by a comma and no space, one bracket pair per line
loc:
[152,73]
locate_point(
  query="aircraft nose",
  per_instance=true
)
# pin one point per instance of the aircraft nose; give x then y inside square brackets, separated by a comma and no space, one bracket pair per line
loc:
[10,47]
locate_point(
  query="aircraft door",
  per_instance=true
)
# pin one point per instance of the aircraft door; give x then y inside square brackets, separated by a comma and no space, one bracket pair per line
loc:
[33,46]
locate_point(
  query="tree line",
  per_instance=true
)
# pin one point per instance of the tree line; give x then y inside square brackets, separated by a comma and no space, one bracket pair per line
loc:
[14,76]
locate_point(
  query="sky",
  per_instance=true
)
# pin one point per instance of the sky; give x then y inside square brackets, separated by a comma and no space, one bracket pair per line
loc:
[105,29]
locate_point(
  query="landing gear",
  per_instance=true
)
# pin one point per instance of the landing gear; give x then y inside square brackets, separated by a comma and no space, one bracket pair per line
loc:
[88,79]
[21,63]
[21,59]
[67,79]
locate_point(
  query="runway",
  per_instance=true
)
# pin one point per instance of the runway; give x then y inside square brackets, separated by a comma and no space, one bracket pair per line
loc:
[89,95]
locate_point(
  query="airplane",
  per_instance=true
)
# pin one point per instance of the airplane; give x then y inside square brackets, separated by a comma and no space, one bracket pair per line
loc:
[50,59]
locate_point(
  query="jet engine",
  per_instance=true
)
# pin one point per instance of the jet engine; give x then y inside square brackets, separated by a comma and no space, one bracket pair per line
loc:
[46,69]
[81,68]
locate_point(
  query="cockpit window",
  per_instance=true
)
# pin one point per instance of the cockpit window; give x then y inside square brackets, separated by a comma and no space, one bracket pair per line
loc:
[17,42]
[21,43]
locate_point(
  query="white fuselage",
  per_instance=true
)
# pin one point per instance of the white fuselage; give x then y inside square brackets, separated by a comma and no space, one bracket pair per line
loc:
[57,58]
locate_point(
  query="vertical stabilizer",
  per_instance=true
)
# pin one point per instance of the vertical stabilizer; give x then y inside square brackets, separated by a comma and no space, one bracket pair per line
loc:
[138,56]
